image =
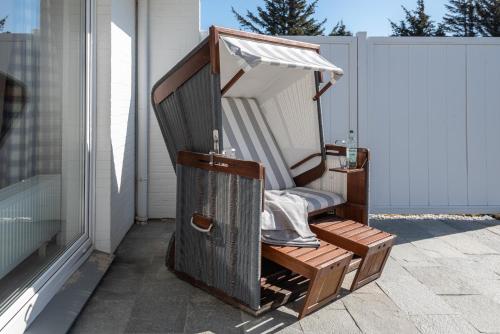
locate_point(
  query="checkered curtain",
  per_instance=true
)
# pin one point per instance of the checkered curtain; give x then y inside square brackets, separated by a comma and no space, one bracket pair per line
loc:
[18,147]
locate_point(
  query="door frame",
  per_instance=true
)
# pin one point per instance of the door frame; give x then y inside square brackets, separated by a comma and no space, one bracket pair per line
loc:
[25,308]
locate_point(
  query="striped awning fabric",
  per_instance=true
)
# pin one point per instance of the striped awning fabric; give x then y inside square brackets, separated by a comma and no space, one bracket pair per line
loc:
[250,53]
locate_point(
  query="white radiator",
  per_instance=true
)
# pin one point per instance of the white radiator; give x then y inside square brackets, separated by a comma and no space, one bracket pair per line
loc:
[30,215]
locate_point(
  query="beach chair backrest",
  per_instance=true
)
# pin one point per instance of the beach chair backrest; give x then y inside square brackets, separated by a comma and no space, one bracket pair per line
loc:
[246,130]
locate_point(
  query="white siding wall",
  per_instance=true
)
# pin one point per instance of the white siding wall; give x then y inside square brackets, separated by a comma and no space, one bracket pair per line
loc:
[432,124]
[115,170]
[174,31]
[429,110]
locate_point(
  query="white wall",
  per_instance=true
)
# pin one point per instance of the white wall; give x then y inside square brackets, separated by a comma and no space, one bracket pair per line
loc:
[429,110]
[115,165]
[174,31]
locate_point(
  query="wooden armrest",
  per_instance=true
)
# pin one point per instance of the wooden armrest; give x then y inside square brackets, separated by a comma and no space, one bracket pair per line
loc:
[221,163]
[347,170]
[336,150]
[306,159]
[309,157]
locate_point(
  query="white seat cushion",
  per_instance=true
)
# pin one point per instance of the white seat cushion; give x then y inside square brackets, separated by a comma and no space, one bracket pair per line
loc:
[245,130]
[317,199]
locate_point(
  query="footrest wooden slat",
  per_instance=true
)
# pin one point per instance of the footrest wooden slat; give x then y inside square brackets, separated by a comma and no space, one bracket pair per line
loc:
[371,244]
[325,267]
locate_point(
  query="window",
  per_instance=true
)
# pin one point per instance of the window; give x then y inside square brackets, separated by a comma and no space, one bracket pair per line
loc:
[43,150]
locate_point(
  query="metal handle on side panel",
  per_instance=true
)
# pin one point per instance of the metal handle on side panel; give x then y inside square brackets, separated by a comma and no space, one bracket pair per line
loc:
[201,223]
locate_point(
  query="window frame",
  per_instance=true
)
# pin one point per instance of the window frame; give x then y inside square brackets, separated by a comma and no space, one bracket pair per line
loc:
[23,310]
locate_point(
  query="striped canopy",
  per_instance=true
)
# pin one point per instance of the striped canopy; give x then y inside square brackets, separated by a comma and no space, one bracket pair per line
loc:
[250,53]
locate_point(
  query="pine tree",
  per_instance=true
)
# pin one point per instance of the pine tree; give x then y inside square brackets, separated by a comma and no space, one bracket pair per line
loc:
[340,30]
[283,17]
[416,23]
[461,19]
[488,12]
[2,23]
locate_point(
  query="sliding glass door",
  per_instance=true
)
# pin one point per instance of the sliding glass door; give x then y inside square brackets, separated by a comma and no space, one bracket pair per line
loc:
[43,139]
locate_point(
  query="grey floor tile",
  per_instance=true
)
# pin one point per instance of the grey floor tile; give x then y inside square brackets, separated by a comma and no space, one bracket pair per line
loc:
[282,320]
[376,313]
[205,318]
[406,230]
[479,310]
[488,288]
[443,324]
[442,280]
[328,320]
[153,230]
[409,255]
[460,240]
[409,294]
[470,268]
[437,248]
[158,314]
[491,262]
[103,317]
[118,288]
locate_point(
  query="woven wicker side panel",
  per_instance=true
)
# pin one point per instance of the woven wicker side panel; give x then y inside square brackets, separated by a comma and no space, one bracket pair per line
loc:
[196,99]
[186,117]
[173,125]
[227,258]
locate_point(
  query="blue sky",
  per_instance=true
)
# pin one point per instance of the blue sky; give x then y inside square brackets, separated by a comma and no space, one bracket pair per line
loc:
[359,15]
[22,16]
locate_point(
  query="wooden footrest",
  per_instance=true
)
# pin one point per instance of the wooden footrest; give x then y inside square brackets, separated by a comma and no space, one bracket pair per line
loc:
[325,267]
[371,244]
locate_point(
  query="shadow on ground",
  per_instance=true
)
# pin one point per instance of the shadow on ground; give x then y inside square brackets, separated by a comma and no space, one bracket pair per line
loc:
[443,277]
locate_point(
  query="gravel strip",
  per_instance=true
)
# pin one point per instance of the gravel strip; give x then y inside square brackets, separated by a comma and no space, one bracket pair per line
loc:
[471,218]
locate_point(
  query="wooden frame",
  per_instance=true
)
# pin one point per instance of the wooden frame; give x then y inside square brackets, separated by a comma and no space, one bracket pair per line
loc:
[220,163]
[186,68]
[231,82]
[322,90]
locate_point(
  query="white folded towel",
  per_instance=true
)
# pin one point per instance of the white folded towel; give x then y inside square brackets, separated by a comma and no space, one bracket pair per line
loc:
[284,220]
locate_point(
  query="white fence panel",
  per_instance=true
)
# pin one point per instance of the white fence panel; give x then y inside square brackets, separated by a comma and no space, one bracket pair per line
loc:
[339,104]
[429,110]
[483,119]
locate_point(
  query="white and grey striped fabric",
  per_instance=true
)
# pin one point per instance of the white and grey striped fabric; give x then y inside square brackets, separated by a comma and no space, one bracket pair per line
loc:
[250,53]
[247,132]
[317,199]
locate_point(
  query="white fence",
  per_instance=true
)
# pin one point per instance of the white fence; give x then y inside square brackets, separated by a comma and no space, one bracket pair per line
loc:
[429,110]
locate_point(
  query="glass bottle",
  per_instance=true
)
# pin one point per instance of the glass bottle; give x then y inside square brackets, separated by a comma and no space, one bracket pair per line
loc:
[351,150]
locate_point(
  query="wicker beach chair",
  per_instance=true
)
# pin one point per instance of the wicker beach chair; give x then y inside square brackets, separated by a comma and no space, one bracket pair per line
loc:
[259,97]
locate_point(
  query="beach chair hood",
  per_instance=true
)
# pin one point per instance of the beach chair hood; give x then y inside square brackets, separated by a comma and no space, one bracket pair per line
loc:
[250,54]
[285,77]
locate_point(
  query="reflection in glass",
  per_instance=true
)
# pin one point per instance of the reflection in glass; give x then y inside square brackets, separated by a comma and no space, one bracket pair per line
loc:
[42,136]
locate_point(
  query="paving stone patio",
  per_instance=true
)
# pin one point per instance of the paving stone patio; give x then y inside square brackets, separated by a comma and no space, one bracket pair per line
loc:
[443,277]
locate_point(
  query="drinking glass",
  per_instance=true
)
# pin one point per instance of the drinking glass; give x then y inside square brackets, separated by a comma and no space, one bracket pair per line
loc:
[343,161]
